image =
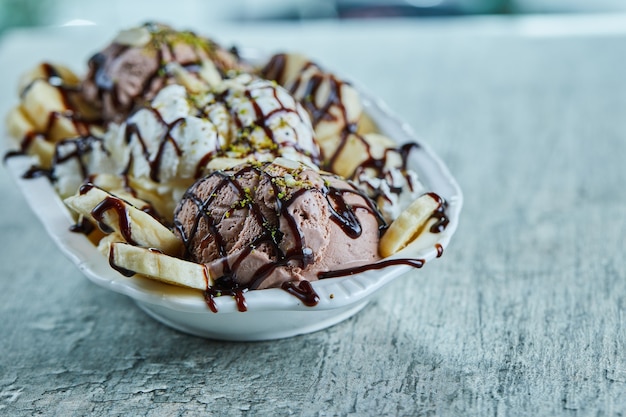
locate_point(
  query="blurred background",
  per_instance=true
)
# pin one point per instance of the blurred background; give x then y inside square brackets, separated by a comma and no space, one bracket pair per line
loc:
[29,13]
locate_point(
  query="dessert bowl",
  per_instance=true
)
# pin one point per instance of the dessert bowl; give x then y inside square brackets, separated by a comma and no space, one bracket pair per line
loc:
[270,313]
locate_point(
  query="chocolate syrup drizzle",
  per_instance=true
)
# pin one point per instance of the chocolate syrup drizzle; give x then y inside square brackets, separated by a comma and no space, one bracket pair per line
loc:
[275,70]
[68,94]
[110,203]
[440,216]
[163,43]
[240,142]
[261,121]
[132,130]
[341,212]
[307,91]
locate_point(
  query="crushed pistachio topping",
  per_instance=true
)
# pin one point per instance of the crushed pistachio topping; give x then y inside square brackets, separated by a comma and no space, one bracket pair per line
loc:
[282,123]
[246,200]
[290,180]
[238,149]
[274,231]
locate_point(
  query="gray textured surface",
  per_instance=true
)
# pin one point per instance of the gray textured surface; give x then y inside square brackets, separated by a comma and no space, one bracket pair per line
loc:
[525,314]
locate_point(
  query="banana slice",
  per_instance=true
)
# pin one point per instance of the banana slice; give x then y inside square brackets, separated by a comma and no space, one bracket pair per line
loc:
[287,68]
[21,129]
[356,150]
[116,215]
[138,192]
[342,103]
[46,103]
[105,242]
[153,264]
[18,124]
[120,187]
[45,106]
[366,124]
[409,225]
[46,71]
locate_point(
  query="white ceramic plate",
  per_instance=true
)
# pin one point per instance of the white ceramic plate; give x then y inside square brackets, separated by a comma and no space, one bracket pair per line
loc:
[272,313]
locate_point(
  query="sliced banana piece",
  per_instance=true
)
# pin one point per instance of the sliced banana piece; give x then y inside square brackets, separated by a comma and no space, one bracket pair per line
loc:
[21,129]
[45,107]
[343,104]
[366,124]
[46,71]
[46,103]
[18,124]
[116,185]
[291,68]
[104,243]
[409,224]
[357,149]
[112,213]
[138,192]
[153,264]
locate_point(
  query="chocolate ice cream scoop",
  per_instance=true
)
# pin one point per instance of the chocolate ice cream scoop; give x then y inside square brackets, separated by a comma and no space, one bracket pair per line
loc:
[134,67]
[276,224]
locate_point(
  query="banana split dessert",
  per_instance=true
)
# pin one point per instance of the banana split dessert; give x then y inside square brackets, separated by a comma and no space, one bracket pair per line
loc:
[185,163]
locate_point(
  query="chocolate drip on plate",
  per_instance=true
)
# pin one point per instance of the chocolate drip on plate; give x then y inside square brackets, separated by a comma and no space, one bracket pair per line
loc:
[440,216]
[83,226]
[415,263]
[303,290]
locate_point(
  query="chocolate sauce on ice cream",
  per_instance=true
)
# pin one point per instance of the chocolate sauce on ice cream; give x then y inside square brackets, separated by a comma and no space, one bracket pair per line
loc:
[380,167]
[264,225]
[267,175]
[133,68]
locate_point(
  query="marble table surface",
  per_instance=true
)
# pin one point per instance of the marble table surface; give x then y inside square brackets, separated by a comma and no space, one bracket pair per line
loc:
[525,314]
